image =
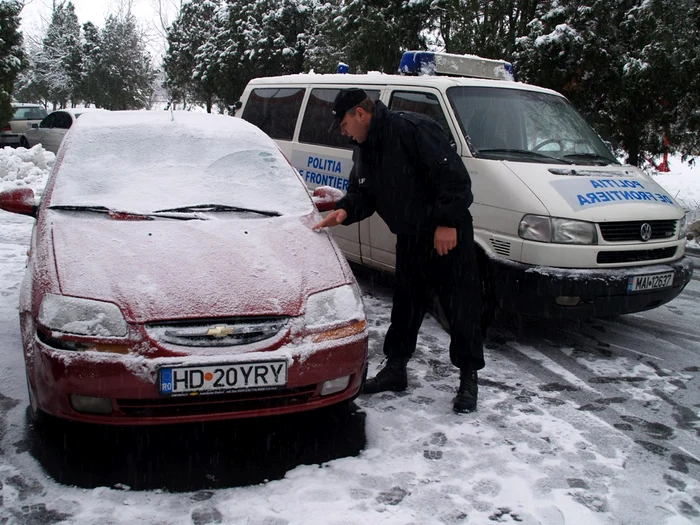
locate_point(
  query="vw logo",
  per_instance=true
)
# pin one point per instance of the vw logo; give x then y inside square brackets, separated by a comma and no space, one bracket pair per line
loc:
[645,231]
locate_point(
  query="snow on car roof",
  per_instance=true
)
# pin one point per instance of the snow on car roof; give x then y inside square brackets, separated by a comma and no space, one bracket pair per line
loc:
[143,161]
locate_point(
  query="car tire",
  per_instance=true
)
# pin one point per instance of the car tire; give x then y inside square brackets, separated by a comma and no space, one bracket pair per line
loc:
[23,142]
[36,415]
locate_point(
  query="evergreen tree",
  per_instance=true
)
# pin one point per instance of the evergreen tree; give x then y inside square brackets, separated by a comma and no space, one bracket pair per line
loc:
[11,55]
[123,71]
[192,29]
[57,66]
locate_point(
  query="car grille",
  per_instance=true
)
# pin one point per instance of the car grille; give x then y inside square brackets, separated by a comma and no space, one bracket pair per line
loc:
[219,332]
[631,230]
[635,255]
[215,404]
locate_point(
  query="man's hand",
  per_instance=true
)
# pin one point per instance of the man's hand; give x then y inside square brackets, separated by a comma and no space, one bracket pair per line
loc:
[333,219]
[445,239]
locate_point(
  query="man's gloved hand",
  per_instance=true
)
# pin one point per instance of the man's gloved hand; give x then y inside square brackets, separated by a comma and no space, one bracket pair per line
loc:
[445,239]
[334,218]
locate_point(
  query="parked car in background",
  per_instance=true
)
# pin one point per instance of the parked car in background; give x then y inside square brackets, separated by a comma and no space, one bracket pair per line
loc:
[182,281]
[51,130]
[22,119]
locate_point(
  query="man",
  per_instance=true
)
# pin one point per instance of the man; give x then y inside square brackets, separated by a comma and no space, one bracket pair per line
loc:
[406,170]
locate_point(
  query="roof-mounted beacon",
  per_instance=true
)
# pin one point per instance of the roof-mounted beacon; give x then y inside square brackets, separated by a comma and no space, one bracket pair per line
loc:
[429,63]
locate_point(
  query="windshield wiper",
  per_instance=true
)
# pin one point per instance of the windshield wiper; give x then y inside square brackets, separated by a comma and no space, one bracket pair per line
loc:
[525,153]
[217,207]
[117,214]
[590,156]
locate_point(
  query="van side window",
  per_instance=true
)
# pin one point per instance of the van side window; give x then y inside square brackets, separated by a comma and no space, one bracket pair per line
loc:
[421,102]
[316,128]
[275,110]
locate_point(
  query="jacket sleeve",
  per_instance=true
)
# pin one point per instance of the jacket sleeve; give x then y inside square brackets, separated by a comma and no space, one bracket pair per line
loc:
[446,172]
[358,202]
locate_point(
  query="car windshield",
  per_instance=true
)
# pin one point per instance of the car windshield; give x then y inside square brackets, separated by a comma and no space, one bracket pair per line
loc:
[190,162]
[29,113]
[526,126]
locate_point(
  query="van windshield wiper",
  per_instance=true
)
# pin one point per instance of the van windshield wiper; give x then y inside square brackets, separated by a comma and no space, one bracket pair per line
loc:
[591,157]
[524,153]
[217,207]
[96,209]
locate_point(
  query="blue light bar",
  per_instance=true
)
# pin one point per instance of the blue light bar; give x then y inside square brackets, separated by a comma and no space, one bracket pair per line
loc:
[430,63]
[343,69]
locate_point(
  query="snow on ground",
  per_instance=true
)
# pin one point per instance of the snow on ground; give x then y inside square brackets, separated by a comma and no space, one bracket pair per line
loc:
[534,453]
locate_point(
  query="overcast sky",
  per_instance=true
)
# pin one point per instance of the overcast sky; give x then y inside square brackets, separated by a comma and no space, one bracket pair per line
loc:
[36,16]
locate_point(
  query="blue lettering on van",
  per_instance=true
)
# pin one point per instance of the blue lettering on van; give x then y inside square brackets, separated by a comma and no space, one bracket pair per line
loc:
[324,179]
[322,164]
[609,191]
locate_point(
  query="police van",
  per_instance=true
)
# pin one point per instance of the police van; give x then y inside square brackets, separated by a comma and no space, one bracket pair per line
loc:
[562,228]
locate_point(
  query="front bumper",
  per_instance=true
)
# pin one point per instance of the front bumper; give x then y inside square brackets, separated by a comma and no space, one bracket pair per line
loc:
[130,382]
[533,290]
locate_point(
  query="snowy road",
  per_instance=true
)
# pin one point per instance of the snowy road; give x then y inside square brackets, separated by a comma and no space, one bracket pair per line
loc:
[579,423]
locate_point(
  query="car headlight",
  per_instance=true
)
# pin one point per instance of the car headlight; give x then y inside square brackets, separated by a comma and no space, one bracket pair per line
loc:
[335,314]
[555,230]
[74,315]
[683,226]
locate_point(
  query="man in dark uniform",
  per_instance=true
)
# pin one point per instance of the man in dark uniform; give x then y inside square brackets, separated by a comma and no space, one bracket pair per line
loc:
[406,170]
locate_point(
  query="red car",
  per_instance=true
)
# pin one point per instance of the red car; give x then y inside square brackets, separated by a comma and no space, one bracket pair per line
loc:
[173,276]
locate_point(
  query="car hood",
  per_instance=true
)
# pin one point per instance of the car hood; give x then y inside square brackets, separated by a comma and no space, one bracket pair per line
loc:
[171,269]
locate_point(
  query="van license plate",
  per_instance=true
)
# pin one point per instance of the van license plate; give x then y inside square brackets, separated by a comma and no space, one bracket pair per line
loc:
[640,283]
[219,379]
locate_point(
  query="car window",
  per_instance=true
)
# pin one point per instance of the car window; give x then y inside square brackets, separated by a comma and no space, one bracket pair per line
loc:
[63,120]
[49,121]
[317,125]
[200,159]
[275,110]
[29,113]
[423,103]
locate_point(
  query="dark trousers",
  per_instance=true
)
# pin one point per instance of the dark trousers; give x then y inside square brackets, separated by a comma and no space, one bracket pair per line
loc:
[455,279]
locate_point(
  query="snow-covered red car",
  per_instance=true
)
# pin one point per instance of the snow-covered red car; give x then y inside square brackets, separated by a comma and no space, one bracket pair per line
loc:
[173,276]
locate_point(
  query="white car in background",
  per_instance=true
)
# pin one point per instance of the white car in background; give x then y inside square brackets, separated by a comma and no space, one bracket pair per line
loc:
[51,130]
[24,115]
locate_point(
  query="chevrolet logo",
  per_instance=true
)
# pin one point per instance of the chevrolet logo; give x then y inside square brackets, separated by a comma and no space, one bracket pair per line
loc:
[220,331]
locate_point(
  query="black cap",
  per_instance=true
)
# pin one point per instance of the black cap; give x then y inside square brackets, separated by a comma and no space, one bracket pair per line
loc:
[345,101]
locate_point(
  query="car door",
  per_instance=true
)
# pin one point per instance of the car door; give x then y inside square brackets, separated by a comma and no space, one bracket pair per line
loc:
[427,101]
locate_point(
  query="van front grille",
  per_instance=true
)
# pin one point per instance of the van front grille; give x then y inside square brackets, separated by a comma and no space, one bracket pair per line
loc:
[635,255]
[632,230]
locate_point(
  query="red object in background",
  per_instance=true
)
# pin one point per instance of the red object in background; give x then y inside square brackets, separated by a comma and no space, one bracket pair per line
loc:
[663,166]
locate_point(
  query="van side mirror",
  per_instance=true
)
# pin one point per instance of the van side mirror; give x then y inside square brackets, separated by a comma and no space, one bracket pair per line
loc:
[19,200]
[238,104]
[325,197]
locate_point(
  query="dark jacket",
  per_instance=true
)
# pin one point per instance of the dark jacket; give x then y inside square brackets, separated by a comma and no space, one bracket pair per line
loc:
[408,173]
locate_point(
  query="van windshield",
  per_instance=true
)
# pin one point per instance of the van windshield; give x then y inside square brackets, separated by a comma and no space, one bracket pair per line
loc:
[525,126]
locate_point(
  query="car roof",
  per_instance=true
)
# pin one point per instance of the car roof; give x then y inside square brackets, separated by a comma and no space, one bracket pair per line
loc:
[27,105]
[381,79]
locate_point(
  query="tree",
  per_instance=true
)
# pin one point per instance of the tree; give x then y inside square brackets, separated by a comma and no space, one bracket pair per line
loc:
[11,54]
[193,28]
[57,67]
[122,72]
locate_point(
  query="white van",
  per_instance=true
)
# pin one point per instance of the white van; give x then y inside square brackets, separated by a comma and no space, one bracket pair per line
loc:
[562,228]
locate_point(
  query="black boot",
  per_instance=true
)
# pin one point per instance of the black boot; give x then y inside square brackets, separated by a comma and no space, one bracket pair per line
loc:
[392,377]
[465,400]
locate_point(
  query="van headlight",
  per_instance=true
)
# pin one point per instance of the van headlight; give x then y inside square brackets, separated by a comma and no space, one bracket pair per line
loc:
[555,230]
[74,315]
[683,226]
[335,314]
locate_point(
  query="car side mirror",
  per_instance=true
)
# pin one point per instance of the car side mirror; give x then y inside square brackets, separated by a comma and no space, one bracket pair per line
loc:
[19,200]
[325,197]
[35,126]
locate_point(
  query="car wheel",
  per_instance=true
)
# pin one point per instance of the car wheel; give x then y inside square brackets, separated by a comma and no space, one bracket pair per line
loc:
[36,415]
[23,142]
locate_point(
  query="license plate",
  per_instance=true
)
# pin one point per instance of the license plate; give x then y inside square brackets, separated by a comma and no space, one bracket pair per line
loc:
[218,379]
[640,283]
